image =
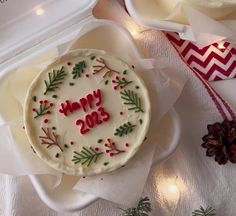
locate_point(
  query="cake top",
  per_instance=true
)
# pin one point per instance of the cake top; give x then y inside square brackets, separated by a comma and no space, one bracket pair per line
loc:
[87,113]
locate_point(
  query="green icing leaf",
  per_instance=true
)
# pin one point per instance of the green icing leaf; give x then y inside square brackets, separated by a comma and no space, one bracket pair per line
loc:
[55,79]
[209,211]
[86,156]
[78,69]
[131,99]
[143,208]
[124,129]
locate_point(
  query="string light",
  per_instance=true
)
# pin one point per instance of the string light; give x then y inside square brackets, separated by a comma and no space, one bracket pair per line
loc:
[221,45]
[39,12]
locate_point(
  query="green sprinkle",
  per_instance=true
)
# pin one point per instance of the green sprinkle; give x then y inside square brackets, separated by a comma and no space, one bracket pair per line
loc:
[140,121]
[137,87]
[106,82]
[34,98]
[93,57]
[66,146]
[54,128]
[106,163]
[71,84]
[57,155]
[125,72]
[54,96]
[100,140]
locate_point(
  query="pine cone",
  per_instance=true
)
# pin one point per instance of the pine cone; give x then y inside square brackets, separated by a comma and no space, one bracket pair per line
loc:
[221,141]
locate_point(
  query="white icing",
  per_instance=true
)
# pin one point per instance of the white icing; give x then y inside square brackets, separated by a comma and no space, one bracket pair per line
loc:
[66,126]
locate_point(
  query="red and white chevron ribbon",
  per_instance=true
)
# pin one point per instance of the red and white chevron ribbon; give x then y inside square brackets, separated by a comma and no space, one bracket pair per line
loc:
[215,62]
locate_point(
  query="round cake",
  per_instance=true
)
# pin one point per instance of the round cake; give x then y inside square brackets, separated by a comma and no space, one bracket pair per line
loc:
[87,113]
[216,9]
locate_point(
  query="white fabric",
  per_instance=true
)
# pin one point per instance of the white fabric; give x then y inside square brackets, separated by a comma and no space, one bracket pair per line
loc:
[200,180]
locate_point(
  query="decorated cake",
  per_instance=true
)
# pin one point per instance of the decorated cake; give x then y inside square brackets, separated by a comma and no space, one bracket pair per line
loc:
[87,113]
[216,9]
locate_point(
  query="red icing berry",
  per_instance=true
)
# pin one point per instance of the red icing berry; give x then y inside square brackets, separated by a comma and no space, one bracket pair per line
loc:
[111,154]
[45,101]
[49,112]
[33,109]
[115,87]
[68,63]
[106,145]
[84,176]
[97,149]
[123,79]
[108,139]
[113,81]
[126,145]
[72,143]
[51,104]
[41,102]
[121,113]
[87,75]
[117,77]
[113,144]
[107,151]
[45,121]
[133,66]
[121,87]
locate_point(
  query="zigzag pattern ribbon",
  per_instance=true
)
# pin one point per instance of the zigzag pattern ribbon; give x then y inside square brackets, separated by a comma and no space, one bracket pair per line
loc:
[215,62]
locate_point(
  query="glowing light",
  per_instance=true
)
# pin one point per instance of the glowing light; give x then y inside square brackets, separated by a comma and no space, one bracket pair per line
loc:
[173,188]
[221,45]
[39,12]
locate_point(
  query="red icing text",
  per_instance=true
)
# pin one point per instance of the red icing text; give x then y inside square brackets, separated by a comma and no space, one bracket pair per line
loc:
[85,104]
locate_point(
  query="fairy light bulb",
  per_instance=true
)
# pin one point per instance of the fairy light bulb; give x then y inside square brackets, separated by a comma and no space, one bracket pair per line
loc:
[221,45]
[173,188]
[39,12]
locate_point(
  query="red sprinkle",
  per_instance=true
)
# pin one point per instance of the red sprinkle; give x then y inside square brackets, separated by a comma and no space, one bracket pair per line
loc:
[87,75]
[45,121]
[126,145]
[97,149]
[72,143]
[68,63]
[121,113]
